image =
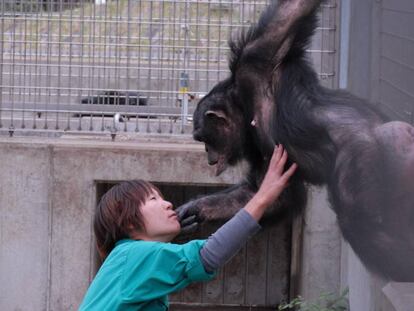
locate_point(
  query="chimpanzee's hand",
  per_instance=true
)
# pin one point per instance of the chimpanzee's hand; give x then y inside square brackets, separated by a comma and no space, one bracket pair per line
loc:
[187,216]
[187,210]
[188,225]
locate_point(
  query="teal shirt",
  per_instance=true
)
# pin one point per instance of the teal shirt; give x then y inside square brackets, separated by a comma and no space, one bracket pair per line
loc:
[138,275]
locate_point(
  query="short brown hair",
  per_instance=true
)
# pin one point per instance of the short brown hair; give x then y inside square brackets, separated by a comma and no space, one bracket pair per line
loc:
[118,211]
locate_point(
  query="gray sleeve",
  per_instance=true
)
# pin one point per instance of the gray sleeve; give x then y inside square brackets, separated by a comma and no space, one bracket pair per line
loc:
[228,240]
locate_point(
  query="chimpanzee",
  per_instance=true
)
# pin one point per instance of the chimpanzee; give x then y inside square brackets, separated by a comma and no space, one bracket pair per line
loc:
[273,96]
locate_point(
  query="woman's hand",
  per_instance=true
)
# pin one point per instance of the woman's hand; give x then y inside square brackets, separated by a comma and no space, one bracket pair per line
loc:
[274,182]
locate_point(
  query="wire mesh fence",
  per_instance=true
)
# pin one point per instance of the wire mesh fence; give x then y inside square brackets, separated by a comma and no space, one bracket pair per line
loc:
[134,66]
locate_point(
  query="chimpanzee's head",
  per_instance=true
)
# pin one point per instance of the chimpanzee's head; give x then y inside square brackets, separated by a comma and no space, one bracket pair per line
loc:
[238,111]
[218,123]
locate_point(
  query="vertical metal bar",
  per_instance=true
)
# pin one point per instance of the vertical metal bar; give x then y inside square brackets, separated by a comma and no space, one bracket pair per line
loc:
[81,56]
[321,54]
[1,61]
[108,38]
[186,63]
[140,40]
[149,85]
[254,17]
[70,62]
[38,47]
[13,70]
[208,45]
[161,52]
[92,45]
[32,68]
[167,52]
[197,69]
[136,123]
[48,61]
[59,73]
[128,49]
[117,52]
[219,41]
[101,53]
[181,59]
[157,50]
[344,45]
[102,122]
[174,55]
[231,22]
[19,63]
[25,64]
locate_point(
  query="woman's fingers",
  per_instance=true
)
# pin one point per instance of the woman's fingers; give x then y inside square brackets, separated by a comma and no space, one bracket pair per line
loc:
[282,161]
[286,175]
[278,161]
[277,154]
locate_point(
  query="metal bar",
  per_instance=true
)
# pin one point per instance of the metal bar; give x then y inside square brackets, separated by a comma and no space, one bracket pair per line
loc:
[91,108]
[1,60]
[59,77]
[207,86]
[150,31]
[12,69]
[344,45]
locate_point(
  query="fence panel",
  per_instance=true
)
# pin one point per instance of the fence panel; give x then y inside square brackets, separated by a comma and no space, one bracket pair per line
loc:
[62,61]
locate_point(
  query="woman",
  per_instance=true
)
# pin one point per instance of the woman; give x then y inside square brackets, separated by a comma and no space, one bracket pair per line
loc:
[133,227]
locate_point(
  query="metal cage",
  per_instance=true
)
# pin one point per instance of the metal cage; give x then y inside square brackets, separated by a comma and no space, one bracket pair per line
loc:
[132,66]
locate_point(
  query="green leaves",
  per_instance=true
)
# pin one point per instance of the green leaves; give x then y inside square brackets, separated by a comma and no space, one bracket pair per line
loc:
[325,302]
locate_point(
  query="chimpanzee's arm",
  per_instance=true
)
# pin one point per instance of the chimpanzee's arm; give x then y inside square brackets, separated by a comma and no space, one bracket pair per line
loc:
[223,205]
[219,206]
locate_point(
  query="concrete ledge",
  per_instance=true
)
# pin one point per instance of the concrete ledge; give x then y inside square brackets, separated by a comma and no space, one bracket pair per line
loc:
[400,295]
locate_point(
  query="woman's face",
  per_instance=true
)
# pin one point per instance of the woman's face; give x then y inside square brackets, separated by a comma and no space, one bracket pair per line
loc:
[160,220]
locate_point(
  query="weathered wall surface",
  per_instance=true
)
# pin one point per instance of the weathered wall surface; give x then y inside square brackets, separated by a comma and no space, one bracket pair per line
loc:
[47,199]
[24,229]
[321,247]
[380,70]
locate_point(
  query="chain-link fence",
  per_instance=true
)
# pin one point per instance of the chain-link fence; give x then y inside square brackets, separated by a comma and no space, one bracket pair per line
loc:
[135,66]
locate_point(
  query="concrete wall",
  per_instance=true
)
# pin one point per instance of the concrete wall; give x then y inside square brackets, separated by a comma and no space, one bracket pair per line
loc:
[380,70]
[24,229]
[47,199]
[321,247]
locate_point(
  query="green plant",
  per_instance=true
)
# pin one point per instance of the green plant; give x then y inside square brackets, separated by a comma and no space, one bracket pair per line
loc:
[325,302]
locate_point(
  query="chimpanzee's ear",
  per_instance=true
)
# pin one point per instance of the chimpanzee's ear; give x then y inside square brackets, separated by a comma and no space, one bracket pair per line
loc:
[217,114]
[281,22]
